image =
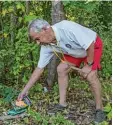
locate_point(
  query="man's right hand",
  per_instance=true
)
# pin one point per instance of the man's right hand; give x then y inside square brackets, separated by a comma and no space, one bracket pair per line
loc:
[21,96]
[34,77]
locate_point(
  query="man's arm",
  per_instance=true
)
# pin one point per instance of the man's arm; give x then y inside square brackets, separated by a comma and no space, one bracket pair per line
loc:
[90,58]
[34,77]
[90,53]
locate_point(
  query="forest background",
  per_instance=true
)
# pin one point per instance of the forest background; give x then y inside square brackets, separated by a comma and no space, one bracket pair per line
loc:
[19,57]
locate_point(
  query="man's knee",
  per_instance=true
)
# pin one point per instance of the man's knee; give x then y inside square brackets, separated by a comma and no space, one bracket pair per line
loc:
[62,69]
[92,76]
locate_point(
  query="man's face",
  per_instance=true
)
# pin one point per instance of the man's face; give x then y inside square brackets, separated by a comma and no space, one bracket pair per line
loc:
[43,37]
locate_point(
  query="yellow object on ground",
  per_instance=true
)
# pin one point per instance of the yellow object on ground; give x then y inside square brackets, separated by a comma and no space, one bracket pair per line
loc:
[20,104]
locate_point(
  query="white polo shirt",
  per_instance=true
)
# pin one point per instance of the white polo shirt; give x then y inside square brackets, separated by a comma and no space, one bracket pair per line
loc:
[72,39]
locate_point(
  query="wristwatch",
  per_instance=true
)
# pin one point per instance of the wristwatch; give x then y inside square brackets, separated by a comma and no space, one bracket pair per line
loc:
[90,63]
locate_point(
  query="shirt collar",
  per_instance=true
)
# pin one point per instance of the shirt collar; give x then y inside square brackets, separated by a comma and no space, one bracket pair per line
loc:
[56,33]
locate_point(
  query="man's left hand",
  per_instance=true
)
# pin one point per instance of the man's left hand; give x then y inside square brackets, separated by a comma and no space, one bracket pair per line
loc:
[85,71]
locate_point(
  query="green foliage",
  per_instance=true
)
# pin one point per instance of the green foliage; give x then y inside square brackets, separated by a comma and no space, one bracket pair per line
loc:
[45,120]
[108,110]
[88,6]
[104,123]
[38,88]
[21,59]
[29,18]
[107,54]
[82,10]
[7,93]
[15,56]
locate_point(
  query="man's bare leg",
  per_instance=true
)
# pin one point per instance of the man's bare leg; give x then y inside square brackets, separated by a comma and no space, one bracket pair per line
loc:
[96,88]
[63,70]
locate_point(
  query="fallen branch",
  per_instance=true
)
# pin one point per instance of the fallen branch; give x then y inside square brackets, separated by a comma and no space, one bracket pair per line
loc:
[73,67]
[7,117]
[78,69]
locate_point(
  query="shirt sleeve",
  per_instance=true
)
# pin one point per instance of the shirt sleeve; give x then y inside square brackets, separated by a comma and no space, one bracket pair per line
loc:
[46,55]
[83,36]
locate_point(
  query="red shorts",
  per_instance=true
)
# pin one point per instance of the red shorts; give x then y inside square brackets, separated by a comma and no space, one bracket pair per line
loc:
[97,56]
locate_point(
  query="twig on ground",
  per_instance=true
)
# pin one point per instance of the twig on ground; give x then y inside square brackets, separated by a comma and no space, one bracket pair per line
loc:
[7,117]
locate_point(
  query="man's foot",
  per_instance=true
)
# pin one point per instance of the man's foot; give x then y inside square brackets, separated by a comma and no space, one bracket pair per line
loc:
[99,116]
[56,108]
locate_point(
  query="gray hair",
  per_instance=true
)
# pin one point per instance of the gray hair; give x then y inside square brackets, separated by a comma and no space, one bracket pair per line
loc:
[37,25]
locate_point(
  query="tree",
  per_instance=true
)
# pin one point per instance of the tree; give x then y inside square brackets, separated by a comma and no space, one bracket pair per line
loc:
[57,15]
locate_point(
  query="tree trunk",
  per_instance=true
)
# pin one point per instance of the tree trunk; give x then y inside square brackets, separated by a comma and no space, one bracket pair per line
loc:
[57,12]
[57,15]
